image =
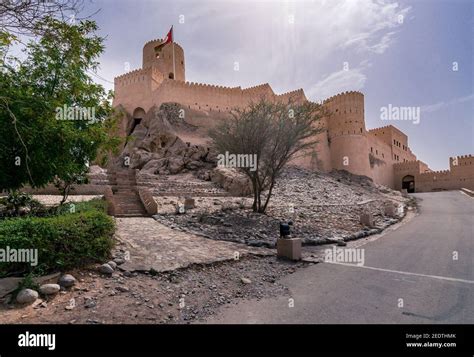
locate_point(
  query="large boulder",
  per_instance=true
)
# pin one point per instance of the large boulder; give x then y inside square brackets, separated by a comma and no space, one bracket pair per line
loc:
[49,289]
[67,280]
[236,183]
[156,166]
[176,165]
[26,296]
[139,158]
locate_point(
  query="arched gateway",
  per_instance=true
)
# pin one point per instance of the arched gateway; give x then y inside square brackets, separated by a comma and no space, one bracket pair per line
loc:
[408,183]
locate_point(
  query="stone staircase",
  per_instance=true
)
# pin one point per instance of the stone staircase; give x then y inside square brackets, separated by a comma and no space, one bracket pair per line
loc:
[180,185]
[125,194]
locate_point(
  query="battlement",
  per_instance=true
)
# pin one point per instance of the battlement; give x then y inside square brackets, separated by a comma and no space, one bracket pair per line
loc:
[461,161]
[388,128]
[408,165]
[258,86]
[463,157]
[297,94]
[435,173]
[344,96]
[158,41]
[201,86]
[381,128]
[260,89]
[130,73]
[136,76]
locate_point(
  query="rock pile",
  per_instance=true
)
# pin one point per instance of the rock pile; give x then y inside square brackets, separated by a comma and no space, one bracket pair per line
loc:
[29,296]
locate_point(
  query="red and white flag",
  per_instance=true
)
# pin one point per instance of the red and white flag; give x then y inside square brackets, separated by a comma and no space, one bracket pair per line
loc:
[166,40]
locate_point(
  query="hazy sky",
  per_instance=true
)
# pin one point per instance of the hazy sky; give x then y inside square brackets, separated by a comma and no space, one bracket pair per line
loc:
[399,53]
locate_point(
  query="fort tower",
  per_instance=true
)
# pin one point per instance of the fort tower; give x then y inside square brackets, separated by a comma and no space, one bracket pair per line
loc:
[164,63]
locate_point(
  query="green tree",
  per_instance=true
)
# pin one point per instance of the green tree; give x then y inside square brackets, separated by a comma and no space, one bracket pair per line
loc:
[275,133]
[54,119]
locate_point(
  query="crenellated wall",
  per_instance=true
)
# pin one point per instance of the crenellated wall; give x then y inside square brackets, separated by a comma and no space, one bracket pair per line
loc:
[201,96]
[458,176]
[134,89]
[296,96]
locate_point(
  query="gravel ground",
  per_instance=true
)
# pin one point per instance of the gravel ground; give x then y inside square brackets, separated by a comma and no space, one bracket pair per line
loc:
[181,296]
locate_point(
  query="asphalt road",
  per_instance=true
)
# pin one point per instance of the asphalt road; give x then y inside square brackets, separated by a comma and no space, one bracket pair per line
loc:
[410,275]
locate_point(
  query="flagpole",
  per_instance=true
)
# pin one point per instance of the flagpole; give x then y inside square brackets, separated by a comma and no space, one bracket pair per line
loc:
[174,65]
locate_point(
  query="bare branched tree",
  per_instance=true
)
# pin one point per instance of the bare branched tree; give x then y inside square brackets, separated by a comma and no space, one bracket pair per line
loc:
[21,17]
[275,133]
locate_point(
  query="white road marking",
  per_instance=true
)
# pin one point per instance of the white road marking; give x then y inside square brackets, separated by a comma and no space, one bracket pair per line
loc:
[465,194]
[406,273]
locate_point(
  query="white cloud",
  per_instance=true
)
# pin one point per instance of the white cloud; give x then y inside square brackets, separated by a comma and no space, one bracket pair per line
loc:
[292,55]
[337,82]
[441,105]
[269,48]
[366,23]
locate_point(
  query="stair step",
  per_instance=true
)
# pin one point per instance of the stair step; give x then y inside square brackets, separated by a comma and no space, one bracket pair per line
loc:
[125,194]
[129,207]
[130,215]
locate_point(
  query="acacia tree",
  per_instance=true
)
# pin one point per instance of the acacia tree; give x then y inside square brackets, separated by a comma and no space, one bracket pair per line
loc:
[35,146]
[275,133]
[23,17]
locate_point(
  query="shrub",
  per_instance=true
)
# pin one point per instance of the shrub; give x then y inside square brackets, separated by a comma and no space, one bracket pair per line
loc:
[64,241]
[75,207]
[19,203]
[28,282]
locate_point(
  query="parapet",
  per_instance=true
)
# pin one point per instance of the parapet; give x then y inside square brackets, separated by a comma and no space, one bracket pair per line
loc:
[137,75]
[264,88]
[202,87]
[298,95]
[431,174]
[463,160]
[463,157]
[344,97]
[158,41]
[381,128]
[408,165]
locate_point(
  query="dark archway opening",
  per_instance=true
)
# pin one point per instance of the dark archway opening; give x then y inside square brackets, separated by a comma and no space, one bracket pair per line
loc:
[408,183]
[138,115]
[171,76]
[136,121]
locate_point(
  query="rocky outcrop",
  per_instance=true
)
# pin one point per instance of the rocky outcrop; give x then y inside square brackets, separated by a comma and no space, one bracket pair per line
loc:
[155,148]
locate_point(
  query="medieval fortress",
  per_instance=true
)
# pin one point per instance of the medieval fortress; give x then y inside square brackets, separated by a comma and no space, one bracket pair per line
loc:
[382,154]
